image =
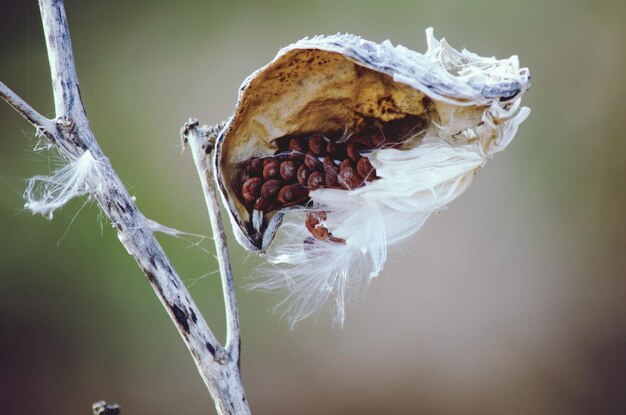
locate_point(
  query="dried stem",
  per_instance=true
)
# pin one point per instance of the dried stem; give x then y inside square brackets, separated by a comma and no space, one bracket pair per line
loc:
[41,123]
[103,408]
[67,101]
[201,141]
[72,134]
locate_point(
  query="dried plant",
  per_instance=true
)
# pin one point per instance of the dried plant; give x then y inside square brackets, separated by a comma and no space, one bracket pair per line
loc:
[338,149]
[341,148]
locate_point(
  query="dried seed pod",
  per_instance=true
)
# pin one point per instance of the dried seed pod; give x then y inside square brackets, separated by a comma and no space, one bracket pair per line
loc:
[352,83]
[252,188]
[270,188]
[317,145]
[271,170]
[365,169]
[303,175]
[444,112]
[316,180]
[288,169]
[349,179]
[292,194]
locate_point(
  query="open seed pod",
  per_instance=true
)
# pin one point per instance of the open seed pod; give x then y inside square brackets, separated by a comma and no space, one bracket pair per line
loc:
[353,144]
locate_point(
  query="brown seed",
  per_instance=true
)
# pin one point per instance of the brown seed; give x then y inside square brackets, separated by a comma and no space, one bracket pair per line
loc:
[316,216]
[303,175]
[331,170]
[317,144]
[365,169]
[271,170]
[378,140]
[331,180]
[252,188]
[330,165]
[288,170]
[346,163]
[255,167]
[312,223]
[349,178]
[295,144]
[353,150]
[292,194]
[401,130]
[336,150]
[297,157]
[270,188]
[364,140]
[316,180]
[263,204]
[312,162]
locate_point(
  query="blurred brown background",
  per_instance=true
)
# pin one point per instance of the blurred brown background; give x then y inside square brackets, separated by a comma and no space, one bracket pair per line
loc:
[511,301]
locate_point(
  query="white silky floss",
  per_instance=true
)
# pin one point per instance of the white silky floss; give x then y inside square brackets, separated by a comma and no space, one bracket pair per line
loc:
[412,184]
[45,194]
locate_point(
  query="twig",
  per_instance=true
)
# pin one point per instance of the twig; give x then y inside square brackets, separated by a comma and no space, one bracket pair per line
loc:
[67,100]
[72,134]
[42,124]
[103,408]
[201,141]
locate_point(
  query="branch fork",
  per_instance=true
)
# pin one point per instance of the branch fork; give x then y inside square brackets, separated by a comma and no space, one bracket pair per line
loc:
[71,133]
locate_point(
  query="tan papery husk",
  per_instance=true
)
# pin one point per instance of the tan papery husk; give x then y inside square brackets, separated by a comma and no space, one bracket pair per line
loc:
[332,83]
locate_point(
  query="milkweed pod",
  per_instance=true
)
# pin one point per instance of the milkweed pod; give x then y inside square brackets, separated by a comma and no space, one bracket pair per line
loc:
[423,122]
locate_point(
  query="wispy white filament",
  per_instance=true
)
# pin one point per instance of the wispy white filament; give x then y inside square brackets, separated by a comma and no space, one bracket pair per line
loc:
[45,194]
[469,125]
[412,184]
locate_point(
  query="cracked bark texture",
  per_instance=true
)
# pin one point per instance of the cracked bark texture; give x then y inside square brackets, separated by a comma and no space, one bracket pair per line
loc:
[71,133]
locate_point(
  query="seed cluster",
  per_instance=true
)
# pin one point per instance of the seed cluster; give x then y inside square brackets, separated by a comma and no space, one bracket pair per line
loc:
[302,164]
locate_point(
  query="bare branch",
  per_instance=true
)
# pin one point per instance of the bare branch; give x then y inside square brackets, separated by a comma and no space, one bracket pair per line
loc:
[201,141]
[67,101]
[43,125]
[72,134]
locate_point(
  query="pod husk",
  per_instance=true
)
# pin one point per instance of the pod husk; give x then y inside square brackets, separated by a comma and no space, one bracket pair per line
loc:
[334,83]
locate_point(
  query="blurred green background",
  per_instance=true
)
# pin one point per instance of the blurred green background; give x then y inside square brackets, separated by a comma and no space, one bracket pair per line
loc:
[511,301]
